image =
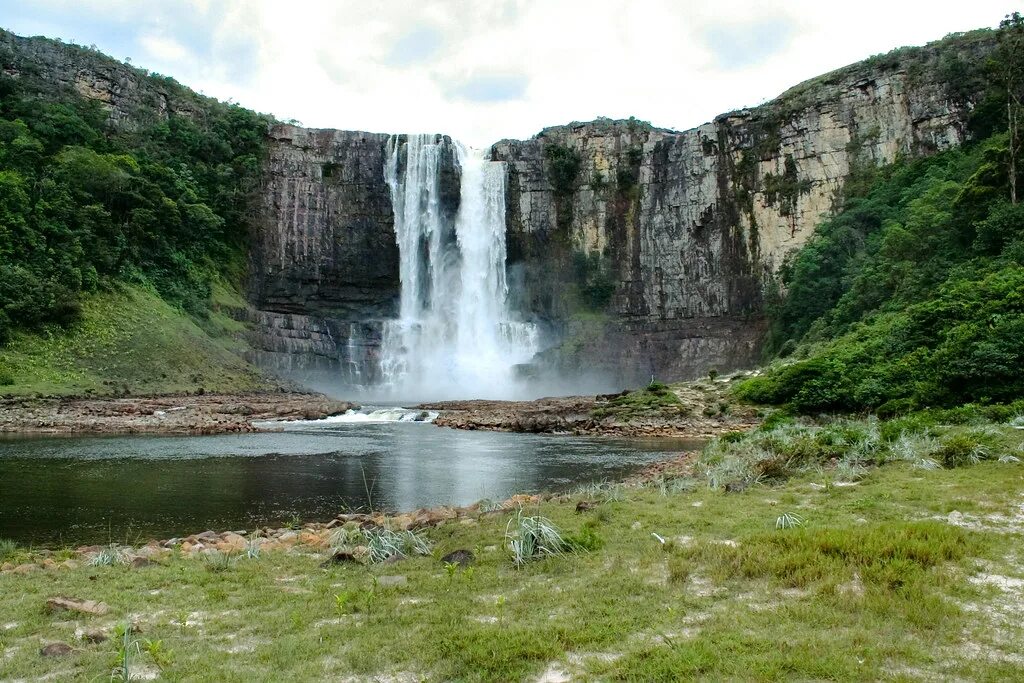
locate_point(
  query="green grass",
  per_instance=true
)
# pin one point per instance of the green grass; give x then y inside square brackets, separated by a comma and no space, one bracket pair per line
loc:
[656,398]
[131,340]
[876,584]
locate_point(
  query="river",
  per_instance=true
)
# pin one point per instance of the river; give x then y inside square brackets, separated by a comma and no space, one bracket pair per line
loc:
[74,490]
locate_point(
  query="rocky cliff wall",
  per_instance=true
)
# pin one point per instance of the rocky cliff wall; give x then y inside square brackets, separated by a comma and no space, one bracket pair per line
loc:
[643,251]
[687,229]
[131,97]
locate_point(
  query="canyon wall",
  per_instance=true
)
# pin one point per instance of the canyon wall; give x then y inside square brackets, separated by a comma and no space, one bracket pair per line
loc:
[686,231]
[641,251]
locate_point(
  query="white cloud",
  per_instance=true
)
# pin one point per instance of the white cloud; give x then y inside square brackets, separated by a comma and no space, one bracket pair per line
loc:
[487,70]
[164,49]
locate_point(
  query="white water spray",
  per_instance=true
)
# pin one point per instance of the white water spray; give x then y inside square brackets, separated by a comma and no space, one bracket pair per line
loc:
[455,336]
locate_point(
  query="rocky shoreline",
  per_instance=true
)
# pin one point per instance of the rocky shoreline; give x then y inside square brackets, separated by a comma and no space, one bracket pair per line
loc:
[311,537]
[195,414]
[702,415]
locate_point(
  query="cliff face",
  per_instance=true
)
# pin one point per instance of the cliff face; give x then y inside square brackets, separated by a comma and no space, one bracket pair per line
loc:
[687,229]
[642,251]
[324,265]
[129,96]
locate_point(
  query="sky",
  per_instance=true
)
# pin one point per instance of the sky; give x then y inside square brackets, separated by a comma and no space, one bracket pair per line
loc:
[483,70]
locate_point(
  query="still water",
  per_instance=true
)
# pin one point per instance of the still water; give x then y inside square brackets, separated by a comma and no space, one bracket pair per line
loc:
[98,489]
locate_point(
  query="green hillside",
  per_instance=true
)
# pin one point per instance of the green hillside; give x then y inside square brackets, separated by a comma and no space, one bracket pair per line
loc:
[913,294]
[115,228]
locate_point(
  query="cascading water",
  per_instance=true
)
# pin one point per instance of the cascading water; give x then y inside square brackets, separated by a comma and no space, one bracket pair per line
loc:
[455,335]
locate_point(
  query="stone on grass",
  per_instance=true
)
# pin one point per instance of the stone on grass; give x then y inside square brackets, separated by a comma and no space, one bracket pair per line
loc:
[94,637]
[61,604]
[341,557]
[585,506]
[461,557]
[55,650]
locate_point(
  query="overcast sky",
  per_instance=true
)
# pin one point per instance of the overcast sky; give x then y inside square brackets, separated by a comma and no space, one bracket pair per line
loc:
[483,70]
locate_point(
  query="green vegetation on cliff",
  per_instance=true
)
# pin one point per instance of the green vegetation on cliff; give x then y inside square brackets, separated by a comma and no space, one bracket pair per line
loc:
[913,294]
[159,200]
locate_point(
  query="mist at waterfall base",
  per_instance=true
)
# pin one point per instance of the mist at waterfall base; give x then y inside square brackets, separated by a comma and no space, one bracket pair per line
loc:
[456,336]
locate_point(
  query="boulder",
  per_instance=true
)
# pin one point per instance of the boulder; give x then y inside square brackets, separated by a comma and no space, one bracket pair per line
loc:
[56,650]
[63,604]
[461,557]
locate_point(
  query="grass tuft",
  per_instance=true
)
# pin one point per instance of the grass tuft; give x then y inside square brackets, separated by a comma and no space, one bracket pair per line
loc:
[111,555]
[532,537]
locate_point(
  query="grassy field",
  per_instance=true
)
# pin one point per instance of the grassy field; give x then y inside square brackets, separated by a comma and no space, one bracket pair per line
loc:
[131,340]
[904,571]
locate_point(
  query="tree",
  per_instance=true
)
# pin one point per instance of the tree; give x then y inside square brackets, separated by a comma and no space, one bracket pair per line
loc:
[1010,55]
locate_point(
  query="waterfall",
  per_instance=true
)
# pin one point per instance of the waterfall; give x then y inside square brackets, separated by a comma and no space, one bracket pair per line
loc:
[455,335]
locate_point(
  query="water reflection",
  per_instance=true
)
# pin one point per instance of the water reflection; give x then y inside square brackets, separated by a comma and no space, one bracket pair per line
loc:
[96,489]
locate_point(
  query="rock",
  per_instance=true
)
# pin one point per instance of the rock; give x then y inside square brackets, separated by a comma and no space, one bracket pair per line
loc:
[26,568]
[56,650]
[95,637]
[59,604]
[463,558]
[141,562]
[956,518]
[394,559]
[68,564]
[312,539]
[403,522]
[233,541]
[392,581]
[6,566]
[341,557]
[585,506]
[735,487]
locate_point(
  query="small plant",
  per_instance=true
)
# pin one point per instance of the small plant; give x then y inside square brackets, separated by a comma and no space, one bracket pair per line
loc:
[679,570]
[382,543]
[129,648]
[488,505]
[217,561]
[252,547]
[450,569]
[8,549]
[370,596]
[530,537]
[500,604]
[712,374]
[343,602]
[961,450]
[181,616]
[160,654]
[1007,458]
[789,520]
[604,491]
[109,556]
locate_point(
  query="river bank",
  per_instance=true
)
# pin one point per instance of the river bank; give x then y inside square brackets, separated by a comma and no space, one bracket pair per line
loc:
[699,409]
[173,414]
